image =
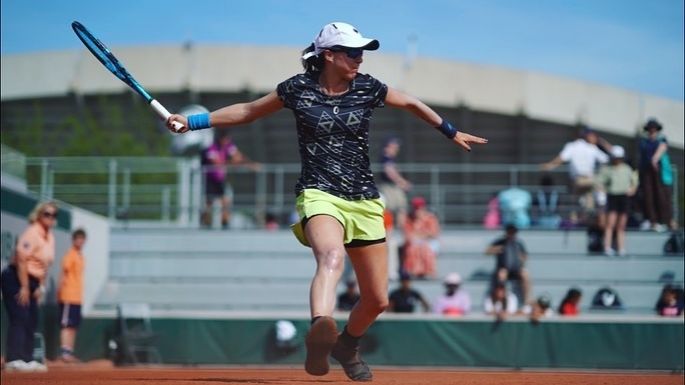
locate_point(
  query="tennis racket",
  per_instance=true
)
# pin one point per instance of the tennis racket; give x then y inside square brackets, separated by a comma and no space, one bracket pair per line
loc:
[105,56]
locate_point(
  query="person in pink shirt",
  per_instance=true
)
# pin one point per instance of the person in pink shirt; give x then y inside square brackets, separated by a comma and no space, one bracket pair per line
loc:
[22,286]
[455,301]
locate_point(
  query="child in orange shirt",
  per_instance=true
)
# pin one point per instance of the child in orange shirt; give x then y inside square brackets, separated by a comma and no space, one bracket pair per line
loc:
[70,295]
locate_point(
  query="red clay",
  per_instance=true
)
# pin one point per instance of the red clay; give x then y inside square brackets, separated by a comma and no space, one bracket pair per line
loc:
[91,375]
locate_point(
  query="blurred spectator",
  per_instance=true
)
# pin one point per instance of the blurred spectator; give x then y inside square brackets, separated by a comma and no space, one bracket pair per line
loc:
[70,295]
[23,286]
[514,204]
[582,156]
[455,301]
[511,259]
[492,219]
[394,265]
[348,298]
[570,305]
[271,222]
[606,298]
[499,302]
[421,231]
[619,181]
[540,308]
[670,303]
[547,202]
[393,186]
[215,161]
[656,178]
[404,298]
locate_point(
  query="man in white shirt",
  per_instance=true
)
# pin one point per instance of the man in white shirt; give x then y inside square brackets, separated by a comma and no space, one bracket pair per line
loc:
[583,155]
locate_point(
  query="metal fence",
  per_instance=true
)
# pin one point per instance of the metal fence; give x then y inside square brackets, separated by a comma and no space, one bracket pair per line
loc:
[136,191]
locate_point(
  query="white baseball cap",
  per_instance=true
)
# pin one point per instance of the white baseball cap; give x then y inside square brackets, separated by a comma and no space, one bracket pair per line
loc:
[453,279]
[340,34]
[617,152]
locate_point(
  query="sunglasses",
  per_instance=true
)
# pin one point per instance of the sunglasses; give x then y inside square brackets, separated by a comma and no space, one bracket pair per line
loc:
[47,214]
[352,53]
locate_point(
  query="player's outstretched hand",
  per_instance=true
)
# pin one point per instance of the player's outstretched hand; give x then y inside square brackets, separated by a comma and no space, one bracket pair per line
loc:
[465,140]
[177,118]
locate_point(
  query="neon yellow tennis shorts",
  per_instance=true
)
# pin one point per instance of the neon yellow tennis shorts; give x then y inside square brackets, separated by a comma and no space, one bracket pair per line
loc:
[361,219]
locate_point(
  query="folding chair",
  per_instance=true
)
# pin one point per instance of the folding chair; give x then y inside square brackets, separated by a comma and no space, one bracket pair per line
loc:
[136,338]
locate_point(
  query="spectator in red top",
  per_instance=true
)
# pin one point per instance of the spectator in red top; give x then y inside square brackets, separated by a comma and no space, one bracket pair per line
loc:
[570,305]
[421,231]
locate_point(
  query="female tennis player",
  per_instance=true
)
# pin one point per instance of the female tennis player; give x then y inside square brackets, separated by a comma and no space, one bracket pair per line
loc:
[337,199]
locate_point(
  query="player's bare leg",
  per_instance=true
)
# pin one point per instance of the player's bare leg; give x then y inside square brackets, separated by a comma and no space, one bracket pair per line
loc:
[371,267]
[325,235]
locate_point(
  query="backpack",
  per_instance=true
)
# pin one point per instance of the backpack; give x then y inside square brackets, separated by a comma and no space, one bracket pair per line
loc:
[675,243]
[606,298]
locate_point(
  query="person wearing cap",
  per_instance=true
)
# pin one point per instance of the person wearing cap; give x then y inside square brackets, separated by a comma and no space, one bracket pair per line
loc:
[620,182]
[337,199]
[456,301]
[421,232]
[583,155]
[655,178]
[404,298]
[393,185]
[511,257]
[540,308]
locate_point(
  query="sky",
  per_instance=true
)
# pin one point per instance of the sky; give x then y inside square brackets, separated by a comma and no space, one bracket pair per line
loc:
[631,44]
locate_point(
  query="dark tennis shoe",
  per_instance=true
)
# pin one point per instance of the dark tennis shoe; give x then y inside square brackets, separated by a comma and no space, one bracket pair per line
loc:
[348,357]
[320,341]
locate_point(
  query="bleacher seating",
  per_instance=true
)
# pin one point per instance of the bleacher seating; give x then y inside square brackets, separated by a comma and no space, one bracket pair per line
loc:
[270,271]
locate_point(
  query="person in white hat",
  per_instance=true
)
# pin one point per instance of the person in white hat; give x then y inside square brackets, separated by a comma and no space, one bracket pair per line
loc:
[455,301]
[337,199]
[620,182]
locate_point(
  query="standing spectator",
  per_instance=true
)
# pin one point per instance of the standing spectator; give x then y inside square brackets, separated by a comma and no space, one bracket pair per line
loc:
[215,161]
[583,155]
[70,295]
[570,305]
[350,297]
[619,181]
[455,301]
[23,286]
[421,231]
[669,305]
[499,302]
[511,257]
[655,178]
[393,186]
[404,298]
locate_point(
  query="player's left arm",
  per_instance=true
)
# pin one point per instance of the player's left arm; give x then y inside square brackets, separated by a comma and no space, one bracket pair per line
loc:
[401,100]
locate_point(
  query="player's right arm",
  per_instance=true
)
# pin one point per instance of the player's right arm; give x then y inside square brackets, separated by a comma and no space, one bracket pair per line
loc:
[235,114]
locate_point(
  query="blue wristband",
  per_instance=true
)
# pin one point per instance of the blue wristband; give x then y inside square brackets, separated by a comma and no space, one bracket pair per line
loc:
[198,121]
[447,129]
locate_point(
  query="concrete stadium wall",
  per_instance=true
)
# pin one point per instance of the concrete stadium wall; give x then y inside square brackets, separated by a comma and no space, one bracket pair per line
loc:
[230,69]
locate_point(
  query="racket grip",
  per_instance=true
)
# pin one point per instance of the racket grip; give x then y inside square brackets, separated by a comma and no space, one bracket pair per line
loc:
[164,113]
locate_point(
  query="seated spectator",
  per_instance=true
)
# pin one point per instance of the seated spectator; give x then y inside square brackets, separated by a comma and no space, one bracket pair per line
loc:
[514,205]
[404,298]
[541,308]
[499,302]
[511,259]
[570,305]
[421,231]
[492,220]
[669,305]
[271,222]
[606,298]
[348,298]
[455,301]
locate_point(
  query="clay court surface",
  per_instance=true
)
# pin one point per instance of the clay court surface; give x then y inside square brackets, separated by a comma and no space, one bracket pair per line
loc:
[289,376]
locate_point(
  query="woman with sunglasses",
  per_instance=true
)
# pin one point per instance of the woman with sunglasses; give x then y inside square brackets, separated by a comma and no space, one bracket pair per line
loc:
[337,199]
[22,286]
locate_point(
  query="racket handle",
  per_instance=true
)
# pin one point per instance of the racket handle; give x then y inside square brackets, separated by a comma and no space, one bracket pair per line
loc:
[164,113]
